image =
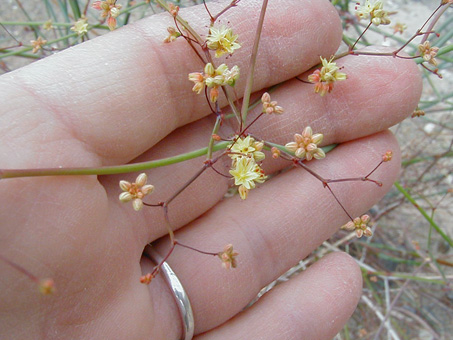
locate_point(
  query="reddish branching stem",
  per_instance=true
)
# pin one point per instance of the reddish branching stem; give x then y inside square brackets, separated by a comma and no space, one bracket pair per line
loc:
[19,268]
[360,37]
[214,18]
[195,249]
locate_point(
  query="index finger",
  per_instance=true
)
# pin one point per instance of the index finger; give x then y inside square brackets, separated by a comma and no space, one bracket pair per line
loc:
[119,94]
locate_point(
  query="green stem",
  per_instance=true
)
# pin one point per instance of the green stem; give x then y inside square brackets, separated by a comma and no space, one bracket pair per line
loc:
[29,48]
[24,55]
[109,170]
[217,124]
[128,9]
[346,332]
[425,159]
[34,23]
[249,84]
[75,9]
[431,83]
[405,276]
[424,214]
[35,30]
[128,13]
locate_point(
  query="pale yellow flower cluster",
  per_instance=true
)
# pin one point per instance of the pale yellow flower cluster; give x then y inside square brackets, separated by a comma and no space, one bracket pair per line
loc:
[37,44]
[387,157]
[326,76]
[360,225]
[135,191]
[110,10]
[48,25]
[428,53]
[222,40]
[245,154]
[374,12]
[305,145]
[228,257]
[213,79]
[80,26]
[270,106]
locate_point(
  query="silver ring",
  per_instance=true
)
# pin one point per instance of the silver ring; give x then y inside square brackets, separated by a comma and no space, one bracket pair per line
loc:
[179,294]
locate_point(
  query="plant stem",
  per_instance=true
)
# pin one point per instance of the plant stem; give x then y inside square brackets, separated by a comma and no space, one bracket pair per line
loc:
[424,214]
[249,84]
[164,5]
[109,170]
[217,124]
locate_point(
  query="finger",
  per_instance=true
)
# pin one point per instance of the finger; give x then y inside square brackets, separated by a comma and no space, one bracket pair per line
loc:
[119,94]
[357,107]
[279,224]
[313,305]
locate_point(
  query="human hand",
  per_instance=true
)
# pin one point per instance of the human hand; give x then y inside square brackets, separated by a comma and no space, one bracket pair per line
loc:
[125,97]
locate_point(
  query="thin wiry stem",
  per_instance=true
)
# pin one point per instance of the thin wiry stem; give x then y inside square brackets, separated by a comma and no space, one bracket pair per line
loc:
[109,170]
[360,37]
[19,268]
[195,249]
[251,74]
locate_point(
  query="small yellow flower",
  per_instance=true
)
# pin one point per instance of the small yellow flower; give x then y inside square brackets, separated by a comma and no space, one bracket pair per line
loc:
[214,78]
[146,279]
[48,25]
[306,145]
[374,11]
[275,152]
[46,286]
[360,225]
[245,173]
[37,44]
[214,94]
[246,147]
[387,157]
[230,76]
[326,76]
[80,26]
[269,106]
[228,257]
[198,79]
[135,191]
[221,76]
[428,53]
[222,40]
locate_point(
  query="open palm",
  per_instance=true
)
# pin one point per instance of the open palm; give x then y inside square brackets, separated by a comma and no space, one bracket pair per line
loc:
[125,96]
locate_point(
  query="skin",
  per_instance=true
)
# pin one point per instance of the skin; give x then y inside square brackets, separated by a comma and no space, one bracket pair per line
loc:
[124,97]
